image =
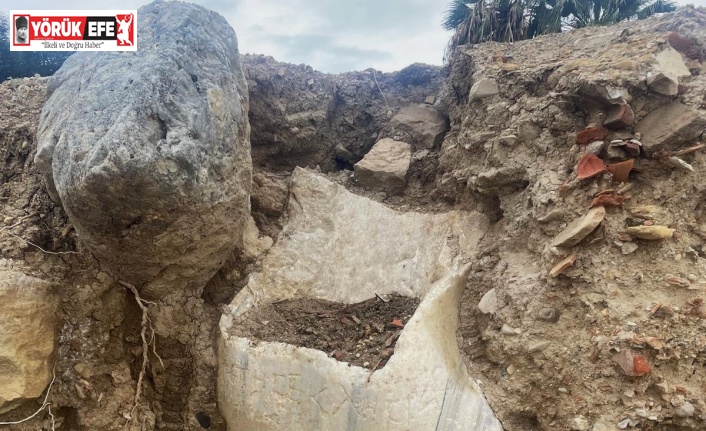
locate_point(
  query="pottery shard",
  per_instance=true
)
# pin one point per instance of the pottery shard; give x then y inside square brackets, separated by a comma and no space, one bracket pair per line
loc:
[669,127]
[591,134]
[650,232]
[486,87]
[385,167]
[579,229]
[28,332]
[425,124]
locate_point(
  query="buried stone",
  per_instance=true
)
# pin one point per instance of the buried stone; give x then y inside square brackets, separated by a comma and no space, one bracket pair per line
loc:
[156,183]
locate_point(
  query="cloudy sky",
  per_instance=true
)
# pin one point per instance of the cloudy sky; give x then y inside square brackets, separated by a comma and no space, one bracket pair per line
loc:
[329,35]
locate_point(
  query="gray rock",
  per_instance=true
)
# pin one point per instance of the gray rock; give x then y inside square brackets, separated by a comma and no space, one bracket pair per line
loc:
[662,83]
[596,147]
[486,87]
[579,228]
[538,346]
[340,152]
[489,302]
[425,125]
[508,141]
[669,127]
[149,151]
[496,178]
[685,410]
[385,167]
[628,247]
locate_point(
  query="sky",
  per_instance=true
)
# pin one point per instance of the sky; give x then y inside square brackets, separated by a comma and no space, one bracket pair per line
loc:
[329,35]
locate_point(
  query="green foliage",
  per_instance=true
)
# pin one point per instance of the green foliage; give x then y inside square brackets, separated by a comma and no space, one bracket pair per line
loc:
[20,64]
[476,21]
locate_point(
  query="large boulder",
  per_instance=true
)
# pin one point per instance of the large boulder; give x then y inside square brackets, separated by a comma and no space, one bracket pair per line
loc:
[149,151]
[28,332]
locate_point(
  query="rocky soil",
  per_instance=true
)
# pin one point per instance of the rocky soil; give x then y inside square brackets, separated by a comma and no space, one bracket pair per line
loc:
[572,319]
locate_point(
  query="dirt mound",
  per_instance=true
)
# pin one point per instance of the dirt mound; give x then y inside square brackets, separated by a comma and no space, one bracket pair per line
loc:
[608,332]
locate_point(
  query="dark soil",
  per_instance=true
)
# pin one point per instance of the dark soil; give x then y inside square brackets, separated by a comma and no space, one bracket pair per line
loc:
[362,334]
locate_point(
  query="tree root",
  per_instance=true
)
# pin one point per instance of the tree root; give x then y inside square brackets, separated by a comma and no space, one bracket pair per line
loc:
[146,325]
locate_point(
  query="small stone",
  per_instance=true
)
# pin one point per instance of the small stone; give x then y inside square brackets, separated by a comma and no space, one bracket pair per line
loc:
[429,100]
[552,215]
[563,390]
[538,346]
[628,248]
[596,147]
[650,232]
[680,164]
[624,424]
[579,228]
[550,315]
[579,423]
[80,391]
[83,370]
[685,410]
[489,302]
[486,87]
[663,388]
[511,369]
[507,330]
[619,116]
[616,154]
[508,141]
[692,278]
[661,83]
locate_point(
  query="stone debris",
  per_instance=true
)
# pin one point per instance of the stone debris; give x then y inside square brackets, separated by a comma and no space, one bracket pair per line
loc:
[486,87]
[579,228]
[550,315]
[489,302]
[425,126]
[619,116]
[385,167]
[650,232]
[662,83]
[669,127]
[29,326]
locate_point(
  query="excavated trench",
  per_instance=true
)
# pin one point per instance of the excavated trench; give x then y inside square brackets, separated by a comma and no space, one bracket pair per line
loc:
[510,332]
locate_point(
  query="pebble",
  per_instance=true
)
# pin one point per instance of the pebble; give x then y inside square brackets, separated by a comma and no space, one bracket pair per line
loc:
[686,410]
[563,390]
[538,346]
[579,423]
[628,248]
[489,302]
[692,278]
[596,147]
[549,315]
[650,232]
[507,330]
